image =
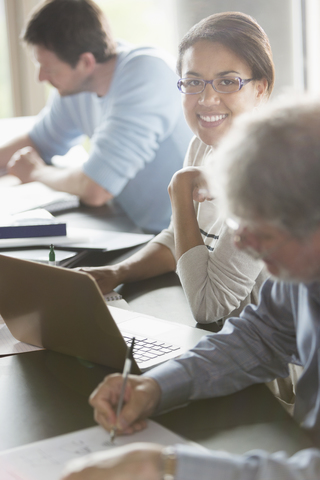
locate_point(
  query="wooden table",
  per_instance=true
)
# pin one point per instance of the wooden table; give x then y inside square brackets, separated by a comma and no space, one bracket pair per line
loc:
[43,394]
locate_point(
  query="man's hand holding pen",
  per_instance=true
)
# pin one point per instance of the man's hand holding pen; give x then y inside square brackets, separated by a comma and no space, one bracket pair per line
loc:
[141,397]
[136,461]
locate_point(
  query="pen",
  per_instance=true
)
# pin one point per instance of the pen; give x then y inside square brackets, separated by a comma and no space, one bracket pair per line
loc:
[52,256]
[125,373]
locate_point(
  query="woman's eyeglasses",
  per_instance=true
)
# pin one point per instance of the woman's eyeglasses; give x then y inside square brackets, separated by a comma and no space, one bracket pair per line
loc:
[193,86]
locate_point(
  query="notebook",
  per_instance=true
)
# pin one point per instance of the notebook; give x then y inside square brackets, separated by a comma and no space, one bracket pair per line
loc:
[63,310]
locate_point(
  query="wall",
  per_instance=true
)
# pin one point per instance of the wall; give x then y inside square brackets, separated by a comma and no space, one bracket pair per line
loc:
[275,17]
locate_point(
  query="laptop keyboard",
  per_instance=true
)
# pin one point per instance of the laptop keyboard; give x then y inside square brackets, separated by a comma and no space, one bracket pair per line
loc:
[147,349]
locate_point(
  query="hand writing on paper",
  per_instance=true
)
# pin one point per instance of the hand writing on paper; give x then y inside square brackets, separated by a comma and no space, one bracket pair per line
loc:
[138,461]
[24,164]
[141,397]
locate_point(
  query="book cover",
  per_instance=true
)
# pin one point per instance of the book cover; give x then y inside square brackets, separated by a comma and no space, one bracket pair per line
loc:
[34,223]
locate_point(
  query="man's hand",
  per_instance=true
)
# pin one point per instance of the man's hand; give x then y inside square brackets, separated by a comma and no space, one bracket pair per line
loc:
[28,166]
[141,398]
[138,461]
[25,164]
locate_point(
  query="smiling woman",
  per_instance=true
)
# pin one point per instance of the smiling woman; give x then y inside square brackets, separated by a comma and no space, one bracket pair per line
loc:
[217,279]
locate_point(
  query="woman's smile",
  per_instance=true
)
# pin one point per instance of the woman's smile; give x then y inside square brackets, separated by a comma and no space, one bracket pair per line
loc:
[213,120]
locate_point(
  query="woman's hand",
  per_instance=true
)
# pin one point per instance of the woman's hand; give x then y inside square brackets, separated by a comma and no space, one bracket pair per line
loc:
[141,397]
[138,461]
[190,181]
[106,277]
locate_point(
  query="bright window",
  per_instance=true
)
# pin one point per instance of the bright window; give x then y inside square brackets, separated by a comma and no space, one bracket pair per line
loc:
[143,22]
[6,109]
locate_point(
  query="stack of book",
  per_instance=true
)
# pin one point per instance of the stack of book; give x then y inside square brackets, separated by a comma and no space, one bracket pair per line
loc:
[34,223]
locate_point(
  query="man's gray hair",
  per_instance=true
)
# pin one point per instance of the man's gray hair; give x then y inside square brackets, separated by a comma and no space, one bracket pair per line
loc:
[269,166]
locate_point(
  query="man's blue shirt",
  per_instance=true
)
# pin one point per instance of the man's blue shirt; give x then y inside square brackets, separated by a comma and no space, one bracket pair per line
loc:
[138,133]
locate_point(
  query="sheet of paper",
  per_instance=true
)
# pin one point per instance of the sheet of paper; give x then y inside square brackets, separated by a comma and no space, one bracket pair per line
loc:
[46,459]
[82,239]
[28,196]
[105,240]
[10,345]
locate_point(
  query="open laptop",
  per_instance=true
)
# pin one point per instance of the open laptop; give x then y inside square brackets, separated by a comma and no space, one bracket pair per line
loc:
[63,310]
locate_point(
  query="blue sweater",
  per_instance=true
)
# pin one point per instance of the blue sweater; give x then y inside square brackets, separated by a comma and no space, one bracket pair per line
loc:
[138,133]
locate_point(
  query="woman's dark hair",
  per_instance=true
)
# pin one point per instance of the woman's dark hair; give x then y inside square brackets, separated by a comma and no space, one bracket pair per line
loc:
[241,34]
[69,28]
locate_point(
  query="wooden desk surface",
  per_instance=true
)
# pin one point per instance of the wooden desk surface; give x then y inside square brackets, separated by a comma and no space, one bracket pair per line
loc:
[43,394]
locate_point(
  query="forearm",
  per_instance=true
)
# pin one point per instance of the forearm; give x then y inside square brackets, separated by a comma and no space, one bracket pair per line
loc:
[186,229]
[7,150]
[144,461]
[74,181]
[207,464]
[152,260]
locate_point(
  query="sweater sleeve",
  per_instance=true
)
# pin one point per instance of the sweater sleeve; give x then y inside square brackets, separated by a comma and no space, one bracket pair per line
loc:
[56,129]
[219,282]
[135,122]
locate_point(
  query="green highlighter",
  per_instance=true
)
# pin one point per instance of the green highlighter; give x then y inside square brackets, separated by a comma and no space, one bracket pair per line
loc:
[52,256]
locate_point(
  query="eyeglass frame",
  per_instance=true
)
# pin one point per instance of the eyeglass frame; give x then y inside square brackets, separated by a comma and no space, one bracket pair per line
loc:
[241,238]
[242,83]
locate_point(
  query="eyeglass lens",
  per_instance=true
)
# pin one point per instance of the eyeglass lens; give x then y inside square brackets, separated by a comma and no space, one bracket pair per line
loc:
[221,85]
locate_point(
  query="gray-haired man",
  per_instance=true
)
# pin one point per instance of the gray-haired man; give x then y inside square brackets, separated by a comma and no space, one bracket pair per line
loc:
[270,176]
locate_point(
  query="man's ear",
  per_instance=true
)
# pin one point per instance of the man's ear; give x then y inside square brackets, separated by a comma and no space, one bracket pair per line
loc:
[87,62]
